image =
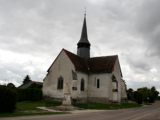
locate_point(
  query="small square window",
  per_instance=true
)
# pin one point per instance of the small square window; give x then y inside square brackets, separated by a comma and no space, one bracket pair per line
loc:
[74,88]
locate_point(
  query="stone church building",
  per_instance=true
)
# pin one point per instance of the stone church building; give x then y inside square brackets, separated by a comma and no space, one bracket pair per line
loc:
[91,79]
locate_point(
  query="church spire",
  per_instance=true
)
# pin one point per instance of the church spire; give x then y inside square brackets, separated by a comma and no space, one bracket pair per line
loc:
[84,36]
[83,49]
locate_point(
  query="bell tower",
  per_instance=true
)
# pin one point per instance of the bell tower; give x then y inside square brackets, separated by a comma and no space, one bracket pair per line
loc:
[83,46]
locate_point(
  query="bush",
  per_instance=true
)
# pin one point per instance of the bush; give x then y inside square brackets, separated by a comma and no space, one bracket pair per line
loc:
[8,98]
[128,96]
[139,98]
[29,94]
[151,99]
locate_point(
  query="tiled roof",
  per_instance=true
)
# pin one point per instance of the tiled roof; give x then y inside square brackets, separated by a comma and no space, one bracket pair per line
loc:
[39,83]
[93,65]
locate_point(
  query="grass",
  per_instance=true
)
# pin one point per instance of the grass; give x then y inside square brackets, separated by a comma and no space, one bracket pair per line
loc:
[100,106]
[29,108]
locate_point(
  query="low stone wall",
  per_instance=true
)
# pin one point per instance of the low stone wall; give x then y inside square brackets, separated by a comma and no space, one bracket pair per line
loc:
[98,100]
[82,100]
[53,99]
[124,100]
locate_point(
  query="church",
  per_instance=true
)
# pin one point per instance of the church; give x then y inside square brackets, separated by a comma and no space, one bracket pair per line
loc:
[91,79]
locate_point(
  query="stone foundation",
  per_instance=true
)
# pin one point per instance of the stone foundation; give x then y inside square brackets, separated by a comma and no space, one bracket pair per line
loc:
[84,100]
[98,100]
[124,100]
[53,99]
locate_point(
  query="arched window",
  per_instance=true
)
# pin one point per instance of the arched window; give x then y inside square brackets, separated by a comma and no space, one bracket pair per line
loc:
[98,83]
[82,85]
[60,83]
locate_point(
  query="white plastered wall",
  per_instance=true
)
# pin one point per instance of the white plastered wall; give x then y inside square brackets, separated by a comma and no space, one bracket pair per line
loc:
[103,90]
[123,90]
[62,66]
[77,83]
[117,74]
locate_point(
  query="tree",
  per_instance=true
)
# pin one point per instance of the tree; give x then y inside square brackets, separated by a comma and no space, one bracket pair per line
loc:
[130,90]
[130,94]
[26,79]
[11,85]
[154,92]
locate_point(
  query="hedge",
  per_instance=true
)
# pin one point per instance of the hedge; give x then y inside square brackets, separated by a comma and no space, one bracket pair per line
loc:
[139,97]
[31,94]
[8,98]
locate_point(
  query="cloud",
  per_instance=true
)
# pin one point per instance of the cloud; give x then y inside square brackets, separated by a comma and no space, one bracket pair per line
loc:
[34,32]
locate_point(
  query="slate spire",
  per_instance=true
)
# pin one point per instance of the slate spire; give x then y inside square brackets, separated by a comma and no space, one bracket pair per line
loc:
[84,36]
[83,46]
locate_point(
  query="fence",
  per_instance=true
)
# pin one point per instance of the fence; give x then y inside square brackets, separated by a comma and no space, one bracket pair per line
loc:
[77,106]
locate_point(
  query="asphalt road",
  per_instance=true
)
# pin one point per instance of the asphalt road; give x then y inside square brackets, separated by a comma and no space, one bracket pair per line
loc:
[125,114]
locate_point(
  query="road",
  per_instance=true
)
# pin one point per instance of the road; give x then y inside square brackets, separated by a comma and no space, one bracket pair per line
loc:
[151,112]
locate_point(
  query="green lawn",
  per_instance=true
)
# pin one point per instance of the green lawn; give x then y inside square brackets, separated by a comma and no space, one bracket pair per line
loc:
[100,106]
[29,108]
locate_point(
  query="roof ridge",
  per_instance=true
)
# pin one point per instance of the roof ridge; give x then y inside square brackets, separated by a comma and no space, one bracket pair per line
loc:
[104,56]
[70,52]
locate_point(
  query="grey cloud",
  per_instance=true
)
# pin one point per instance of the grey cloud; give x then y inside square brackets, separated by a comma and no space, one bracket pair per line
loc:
[148,25]
[41,28]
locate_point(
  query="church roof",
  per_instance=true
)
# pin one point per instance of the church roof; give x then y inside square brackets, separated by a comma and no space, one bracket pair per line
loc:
[93,65]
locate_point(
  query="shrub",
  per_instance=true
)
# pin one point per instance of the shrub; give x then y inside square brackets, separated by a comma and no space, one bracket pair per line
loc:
[151,99]
[29,94]
[8,98]
[139,98]
[128,96]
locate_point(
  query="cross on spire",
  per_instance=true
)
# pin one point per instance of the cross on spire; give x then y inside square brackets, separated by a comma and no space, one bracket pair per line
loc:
[85,12]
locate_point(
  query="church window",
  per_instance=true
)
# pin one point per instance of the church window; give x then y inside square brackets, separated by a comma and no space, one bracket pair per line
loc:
[60,83]
[74,88]
[115,90]
[74,75]
[82,85]
[98,83]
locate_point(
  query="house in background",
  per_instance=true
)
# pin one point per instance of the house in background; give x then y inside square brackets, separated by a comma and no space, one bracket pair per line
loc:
[29,83]
[97,79]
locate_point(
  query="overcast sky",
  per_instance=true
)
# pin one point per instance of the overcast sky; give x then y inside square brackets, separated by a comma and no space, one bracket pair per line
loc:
[33,32]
